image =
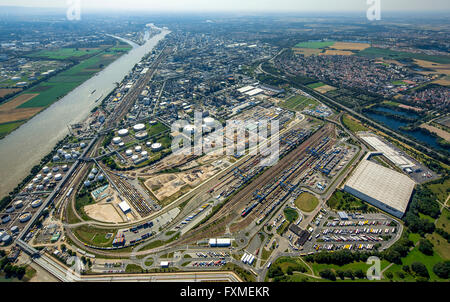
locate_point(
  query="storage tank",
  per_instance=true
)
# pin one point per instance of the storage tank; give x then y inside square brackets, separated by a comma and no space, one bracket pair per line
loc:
[58,177]
[139,127]
[148,144]
[91,176]
[55,169]
[9,209]
[144,154]
[123,132]
[101,177]
[65,168]
[67,157]
[153,122]
[138,149]
[121,144]
[94,171]
[116,140]
[156,147]
[87,183]
[46,169]
[6,218]
[141,135]
[49,175]
[209,121]
[83,145]
[25,217]
[6,239]
[15,229]
[40,188]
[134,158]
[18,204]
[37,203]
[128,152]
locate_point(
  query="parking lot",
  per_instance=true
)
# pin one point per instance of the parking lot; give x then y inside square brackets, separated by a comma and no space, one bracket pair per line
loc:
[358,232]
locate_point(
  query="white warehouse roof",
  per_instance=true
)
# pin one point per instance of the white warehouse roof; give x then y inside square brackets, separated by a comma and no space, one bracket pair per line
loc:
[391,154]
[245,89]
[254,92]
[381,186]
[124,206]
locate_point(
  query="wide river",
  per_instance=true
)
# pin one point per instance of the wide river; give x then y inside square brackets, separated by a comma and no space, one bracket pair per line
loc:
[24,148]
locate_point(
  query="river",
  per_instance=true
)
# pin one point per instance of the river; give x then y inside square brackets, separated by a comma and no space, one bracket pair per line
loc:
[25,147]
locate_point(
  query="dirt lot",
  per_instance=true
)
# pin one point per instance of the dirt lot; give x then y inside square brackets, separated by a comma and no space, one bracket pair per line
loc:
[442,133]
[324,88]
[7,91]
[103,211]
[9,112]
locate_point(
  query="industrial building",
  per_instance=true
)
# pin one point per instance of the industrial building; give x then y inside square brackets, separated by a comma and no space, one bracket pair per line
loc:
[390,153]
[219,242]
[381,187]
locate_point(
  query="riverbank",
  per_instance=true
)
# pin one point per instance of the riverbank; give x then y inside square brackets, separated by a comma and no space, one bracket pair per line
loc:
[25,147]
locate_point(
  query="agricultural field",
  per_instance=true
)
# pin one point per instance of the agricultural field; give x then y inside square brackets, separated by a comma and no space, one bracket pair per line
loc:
[374,52]
[6,128]
[315,45]
[7,91]
[65,53]
[350,46]
[307,51]
[334,52]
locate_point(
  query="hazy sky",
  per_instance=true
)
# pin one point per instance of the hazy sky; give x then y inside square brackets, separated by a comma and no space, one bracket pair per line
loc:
[242,5]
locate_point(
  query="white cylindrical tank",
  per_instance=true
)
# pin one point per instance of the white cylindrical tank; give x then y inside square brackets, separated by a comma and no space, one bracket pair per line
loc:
[87,183]
[139,127]
[18,204]
[91,176]
[144,154]
[55,169]
[128,152]
[209,121]
[58,177]
[116,140]
[25,217]
[37,203]
[156,147]
[138,149]
[141,135]
[46,169]
[123,132]
[101,177]
[65,168]
[134,158]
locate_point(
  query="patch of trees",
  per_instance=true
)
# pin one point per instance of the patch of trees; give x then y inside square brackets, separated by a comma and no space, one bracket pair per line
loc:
[442,269]
[426,247]
[11,270]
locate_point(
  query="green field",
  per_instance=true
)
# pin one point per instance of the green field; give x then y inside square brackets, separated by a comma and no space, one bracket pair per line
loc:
[94,236]
[373,52]
[315,85]
[315,45]
[6,128]
[157,129]
[306,202]
[65,53]
[290,214]
[299,102]
[352,125]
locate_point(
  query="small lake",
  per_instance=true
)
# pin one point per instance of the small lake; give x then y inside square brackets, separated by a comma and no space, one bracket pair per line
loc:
[396,124]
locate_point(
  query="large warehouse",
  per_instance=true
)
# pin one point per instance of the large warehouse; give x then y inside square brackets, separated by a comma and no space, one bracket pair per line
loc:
[381,187]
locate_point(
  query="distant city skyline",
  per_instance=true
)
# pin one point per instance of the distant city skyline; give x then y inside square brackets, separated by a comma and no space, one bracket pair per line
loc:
[241,5]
